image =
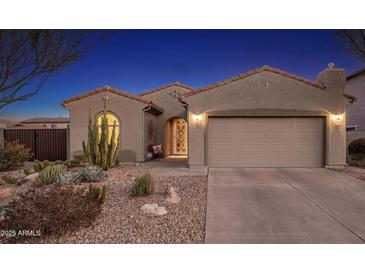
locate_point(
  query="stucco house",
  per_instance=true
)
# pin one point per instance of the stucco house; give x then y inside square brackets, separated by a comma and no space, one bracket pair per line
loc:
[263,118]
[355,85]
[46,122]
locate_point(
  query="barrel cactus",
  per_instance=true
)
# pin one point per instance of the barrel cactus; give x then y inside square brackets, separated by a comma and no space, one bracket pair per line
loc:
[98,149]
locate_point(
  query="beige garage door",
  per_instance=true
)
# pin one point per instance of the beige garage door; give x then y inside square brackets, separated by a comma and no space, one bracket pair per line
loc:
[265,142]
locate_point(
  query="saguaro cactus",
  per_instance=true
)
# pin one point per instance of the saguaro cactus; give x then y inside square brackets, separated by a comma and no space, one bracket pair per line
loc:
[99,150]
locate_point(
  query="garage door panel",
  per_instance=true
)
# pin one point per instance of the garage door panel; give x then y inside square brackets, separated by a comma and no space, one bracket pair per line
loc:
[276,148]
[309,137]
[282,137]
[279,124]
[223,137]
[307,124]
[250,148]
[250,160]
[250,125]
[280,159]
[265,142]
[250,137]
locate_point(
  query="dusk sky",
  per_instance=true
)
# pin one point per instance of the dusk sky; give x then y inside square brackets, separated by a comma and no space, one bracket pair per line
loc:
[139,60]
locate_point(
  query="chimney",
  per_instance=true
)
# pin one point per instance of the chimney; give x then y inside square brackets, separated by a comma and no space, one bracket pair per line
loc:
[334,79]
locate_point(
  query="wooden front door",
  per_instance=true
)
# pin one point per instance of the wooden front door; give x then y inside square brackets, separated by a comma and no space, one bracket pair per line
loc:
[180,136]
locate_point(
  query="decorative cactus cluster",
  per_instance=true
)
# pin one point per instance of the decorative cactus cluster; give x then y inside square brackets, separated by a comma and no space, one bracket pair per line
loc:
[99,150]
[38,166]
[97,194]
[49,175]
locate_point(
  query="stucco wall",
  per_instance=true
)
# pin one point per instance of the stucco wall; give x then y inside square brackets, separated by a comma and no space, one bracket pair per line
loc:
[149,139]
[356,112]
[171,106]
[270,94]
[129,112]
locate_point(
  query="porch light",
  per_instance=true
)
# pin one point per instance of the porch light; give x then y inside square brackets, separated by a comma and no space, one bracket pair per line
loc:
[337,118]
[197,117]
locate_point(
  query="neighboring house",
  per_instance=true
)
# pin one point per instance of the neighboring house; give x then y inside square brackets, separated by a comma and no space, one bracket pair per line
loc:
[46,122]
[262,118]
[355,85]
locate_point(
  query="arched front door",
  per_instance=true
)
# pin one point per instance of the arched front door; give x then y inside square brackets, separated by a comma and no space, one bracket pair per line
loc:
[176,137]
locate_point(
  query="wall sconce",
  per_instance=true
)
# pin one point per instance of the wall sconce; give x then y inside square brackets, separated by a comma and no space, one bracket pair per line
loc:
[197,117]
[337,119]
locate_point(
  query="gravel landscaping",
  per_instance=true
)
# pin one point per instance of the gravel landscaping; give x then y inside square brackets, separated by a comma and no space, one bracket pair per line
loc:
[122,221]
[356,172]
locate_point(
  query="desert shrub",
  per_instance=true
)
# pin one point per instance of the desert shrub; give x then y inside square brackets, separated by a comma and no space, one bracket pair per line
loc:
[143,185]
[26,171]
[51,211]
[357,147]
[72,163]
[13,155]
[13,180]
[38,166]
[49,175]
[81,158]
[97,194]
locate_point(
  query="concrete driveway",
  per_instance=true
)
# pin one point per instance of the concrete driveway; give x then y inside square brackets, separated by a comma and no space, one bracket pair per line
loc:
[284,206]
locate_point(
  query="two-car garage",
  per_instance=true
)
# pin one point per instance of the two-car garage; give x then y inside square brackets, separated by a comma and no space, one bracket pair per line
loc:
[265,141]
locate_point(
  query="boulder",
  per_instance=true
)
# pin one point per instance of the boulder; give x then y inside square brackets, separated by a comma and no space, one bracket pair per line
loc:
[172,196]
[31,177]
[6,193]
[154,209]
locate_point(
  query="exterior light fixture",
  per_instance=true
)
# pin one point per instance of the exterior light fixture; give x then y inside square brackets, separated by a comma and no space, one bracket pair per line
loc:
[337,119]
[197,117]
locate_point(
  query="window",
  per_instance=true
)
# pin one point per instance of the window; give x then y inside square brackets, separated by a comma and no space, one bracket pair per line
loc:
[111,118]
[352,128]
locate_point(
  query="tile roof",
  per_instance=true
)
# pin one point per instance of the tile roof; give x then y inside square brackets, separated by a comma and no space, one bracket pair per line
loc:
[355,73]
[46,120]
[111,90]
[176,84]
[25,126]
[253,72]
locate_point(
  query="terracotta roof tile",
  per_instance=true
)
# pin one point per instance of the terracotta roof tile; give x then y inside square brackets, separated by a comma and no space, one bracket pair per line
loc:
[355,73]
[353,98]
[46,120]
[177,84]
[112,90]
[252,72]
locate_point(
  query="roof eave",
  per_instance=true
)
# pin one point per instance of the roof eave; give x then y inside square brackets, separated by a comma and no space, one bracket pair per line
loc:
[177,84]
[253,72]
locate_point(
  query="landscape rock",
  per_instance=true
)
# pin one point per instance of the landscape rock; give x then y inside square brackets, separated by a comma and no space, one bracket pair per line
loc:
[31,177]
[6,194]
[154,209]
[172,196]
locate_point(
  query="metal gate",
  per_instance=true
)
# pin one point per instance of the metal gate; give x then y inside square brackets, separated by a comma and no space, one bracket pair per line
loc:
[46,144]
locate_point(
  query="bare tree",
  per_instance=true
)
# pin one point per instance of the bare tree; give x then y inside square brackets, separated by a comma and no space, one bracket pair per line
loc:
[355,41]
[29,57]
